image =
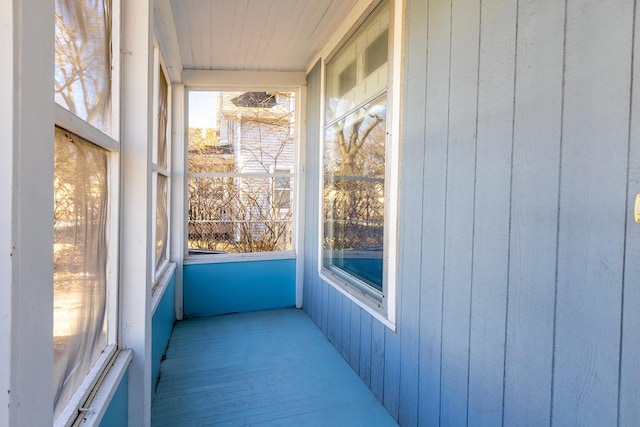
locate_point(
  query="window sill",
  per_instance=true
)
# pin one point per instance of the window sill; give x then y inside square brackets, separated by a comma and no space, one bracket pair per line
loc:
[97,390]
[106,389]
[361,299]
[161,285]
[222,258]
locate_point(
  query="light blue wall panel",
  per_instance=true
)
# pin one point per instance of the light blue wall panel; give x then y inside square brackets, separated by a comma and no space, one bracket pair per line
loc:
[237,287]
[490,271]
[629,412]
[162,324]
[536,169]
[518,251]
[592,213]
[117,414]
[312,290]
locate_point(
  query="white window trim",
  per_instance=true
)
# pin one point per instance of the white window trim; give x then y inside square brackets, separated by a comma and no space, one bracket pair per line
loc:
[249,256]
[78,403]
[67,121]
[159,69]
[385,311]
[94,390]
[168,269]
[282,173]
[106,388]
[196,80]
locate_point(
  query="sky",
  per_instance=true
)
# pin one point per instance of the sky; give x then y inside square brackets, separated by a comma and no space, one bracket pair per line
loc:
[203,109]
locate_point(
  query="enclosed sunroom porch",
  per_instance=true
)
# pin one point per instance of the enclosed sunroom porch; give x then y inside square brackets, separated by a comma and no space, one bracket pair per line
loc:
[288,212]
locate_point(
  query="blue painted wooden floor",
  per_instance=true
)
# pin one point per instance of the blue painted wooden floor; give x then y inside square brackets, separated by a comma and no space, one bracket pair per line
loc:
[263,368]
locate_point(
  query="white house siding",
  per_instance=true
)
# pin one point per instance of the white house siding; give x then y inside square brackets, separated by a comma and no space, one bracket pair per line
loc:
[258,134]
[520,163]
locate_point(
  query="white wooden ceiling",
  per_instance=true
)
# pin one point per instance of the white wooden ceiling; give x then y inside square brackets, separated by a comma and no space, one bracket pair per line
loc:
[248,35]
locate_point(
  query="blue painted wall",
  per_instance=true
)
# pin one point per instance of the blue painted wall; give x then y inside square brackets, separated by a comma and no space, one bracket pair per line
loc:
[161,327]
[117,414]
[519,274]
[236,287]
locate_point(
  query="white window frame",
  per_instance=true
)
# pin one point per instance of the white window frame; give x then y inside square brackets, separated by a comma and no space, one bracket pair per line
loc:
[384,311]
[282,173]
[86,394]
[249,81]
[159,68]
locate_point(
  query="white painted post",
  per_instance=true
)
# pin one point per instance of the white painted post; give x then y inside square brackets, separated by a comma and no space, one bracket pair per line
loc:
[300,179]
[26,213]
[137,62]
[178,190]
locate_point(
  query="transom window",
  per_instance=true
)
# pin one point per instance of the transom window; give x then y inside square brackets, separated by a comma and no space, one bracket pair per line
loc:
[241,162]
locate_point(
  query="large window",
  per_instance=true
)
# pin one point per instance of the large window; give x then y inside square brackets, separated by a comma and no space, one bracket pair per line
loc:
[85,188]
[241,158]
[355,236]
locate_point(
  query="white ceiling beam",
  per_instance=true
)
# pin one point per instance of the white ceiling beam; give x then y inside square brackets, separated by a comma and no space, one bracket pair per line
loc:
[165,29]
[223,79]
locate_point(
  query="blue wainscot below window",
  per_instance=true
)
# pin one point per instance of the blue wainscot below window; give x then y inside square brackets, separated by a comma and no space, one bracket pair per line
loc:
[117,414]
[238,287]
[162,325]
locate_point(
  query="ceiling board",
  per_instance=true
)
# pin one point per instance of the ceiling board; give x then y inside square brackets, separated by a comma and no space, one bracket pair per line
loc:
[254,35]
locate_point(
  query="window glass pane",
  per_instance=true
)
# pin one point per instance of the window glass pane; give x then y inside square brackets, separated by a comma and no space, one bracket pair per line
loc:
[83,59]
[358,71]
[242,146]
[163,99]
[376,54]
[282,191]
[80,258]
[162,221]
[236,215]
[354,171]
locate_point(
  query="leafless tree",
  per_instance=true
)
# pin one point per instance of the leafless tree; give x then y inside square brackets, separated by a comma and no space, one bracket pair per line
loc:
[354,185]
[83,59]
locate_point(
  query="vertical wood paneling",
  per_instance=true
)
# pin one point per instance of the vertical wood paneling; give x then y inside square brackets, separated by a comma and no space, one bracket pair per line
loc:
[515,176]
[435,114]
[411,211]
[592,221]
[334,319]
[629,400]
[325,306]
[346,327]
[354,350]
[377,358]
[492,212]
[392,364]
[459,211]
[312,302]
[366,349]
[534,202]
